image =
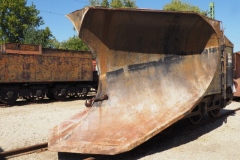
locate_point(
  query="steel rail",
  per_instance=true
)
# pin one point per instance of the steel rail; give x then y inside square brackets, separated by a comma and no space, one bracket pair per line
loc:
[24,150]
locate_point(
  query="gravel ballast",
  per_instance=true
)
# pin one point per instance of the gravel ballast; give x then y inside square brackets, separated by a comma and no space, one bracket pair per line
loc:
[29,124]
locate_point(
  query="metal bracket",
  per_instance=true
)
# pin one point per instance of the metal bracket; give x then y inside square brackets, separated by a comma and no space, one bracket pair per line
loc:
[89,102]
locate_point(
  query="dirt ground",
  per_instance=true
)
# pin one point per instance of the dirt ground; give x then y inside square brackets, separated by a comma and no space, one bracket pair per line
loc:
[29,124]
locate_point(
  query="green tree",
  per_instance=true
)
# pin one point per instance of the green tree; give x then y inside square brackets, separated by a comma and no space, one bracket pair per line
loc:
[105,3]
[129,3]
[44,37]
[15,17]
[95,2]
[53,43]
[179,5]
[114,3]
[74,43]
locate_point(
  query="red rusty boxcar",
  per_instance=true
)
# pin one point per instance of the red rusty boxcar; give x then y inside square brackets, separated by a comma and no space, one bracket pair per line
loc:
[33,72]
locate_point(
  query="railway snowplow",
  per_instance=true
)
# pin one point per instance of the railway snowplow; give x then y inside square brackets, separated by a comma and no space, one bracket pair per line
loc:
[155,68]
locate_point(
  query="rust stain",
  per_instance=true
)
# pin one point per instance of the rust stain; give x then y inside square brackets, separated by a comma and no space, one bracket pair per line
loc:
[50,65]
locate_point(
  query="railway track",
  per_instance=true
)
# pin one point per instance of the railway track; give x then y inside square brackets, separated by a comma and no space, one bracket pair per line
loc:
[24,150]
[44,146]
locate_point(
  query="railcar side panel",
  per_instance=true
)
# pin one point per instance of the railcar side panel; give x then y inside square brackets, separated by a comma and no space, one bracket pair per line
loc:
[49,66]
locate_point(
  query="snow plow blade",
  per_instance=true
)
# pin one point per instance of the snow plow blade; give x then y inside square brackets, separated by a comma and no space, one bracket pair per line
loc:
[154,66]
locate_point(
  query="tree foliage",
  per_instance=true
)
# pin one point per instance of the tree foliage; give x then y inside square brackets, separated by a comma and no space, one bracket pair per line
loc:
[33,35]
[129,3]
[179,5]
[15,17]
[53,43]
[114,3]
[74,43]
[94,2]
[105,3]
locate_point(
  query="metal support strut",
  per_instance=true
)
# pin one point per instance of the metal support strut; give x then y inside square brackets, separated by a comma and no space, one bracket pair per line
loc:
[89,102]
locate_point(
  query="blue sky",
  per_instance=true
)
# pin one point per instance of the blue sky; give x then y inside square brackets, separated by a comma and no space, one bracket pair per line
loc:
[53,13]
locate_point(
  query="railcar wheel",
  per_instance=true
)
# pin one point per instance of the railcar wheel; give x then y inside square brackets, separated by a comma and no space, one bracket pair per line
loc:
[84,93]
[72,95]
[195,119]
[36,96]
[9,97]
[82,96]
[59,94]
[214,113]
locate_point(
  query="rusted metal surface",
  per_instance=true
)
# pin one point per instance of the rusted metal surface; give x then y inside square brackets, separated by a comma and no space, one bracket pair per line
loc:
[51,65]
[237,74]
[20,48]
[155,66]
[230,64]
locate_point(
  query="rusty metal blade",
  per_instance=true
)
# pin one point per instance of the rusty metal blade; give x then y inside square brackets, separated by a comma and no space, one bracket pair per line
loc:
[155,66]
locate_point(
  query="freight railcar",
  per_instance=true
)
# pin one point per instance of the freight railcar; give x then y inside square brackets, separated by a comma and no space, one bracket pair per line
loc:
[156,68]
[33,72]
